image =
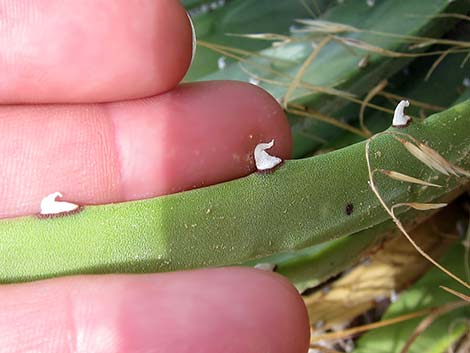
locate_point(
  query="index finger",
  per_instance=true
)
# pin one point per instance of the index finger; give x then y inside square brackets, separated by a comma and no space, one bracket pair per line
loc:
[54,51]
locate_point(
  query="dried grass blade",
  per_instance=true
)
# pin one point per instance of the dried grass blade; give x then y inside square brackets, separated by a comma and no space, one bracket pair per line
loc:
[372,48]
[298,77]
[457,294]
[427,321]
[326,119]
[412,101]
[423,157]
[406,178]
[262,36]
[373,92]
[464,61]
[324,27]
[452,169]
[420,206]
[363,328]
[436,63]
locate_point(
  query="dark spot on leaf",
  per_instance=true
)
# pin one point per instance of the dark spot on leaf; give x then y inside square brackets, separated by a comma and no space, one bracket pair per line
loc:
[349,209]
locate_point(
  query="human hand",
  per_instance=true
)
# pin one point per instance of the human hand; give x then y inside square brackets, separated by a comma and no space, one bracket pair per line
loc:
[64,51]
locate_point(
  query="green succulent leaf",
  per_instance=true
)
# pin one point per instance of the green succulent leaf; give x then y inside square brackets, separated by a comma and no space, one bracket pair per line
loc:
[309,267]
[302,203]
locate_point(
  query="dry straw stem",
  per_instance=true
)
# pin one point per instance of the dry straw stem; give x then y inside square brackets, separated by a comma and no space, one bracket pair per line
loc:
[364,328]
[266,68]
[262,36]
[428,156]
[298,77]
[316,26]
[232,53]
[437,62]
[406,178]
[449,167]
[420,206]
[432,160]
[419,154]
[359,44]
[417,103]
[464,61]
[457,294]
[427,321]
[324,118]
[324,27]
[310,88]
[372,93]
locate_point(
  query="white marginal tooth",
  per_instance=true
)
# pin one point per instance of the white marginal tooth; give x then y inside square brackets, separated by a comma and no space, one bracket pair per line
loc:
[263,160]
[221,63]
[50,205]
[265,266]
[399,117]
[254,81]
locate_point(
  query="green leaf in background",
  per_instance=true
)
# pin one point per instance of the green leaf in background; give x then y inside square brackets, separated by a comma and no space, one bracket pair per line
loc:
[336,65]
[444,87]
[426,293]
[215,20]
[309,267]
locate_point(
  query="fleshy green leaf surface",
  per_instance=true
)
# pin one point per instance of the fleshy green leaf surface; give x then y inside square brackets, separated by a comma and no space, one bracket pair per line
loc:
[300,204]
[309,267]
[423,294]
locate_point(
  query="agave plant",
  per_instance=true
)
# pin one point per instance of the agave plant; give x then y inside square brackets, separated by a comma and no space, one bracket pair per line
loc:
[343,71]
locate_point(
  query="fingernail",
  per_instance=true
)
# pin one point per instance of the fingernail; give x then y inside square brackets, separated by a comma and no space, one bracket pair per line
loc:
[194,36]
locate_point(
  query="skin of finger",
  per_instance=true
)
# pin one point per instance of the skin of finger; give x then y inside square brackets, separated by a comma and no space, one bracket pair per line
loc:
[54,51]
[216,310]
[196,135]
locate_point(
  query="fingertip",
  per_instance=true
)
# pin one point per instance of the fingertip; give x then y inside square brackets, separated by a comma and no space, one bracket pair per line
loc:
[248,310]
[94,52]
[194,136]
[208,310]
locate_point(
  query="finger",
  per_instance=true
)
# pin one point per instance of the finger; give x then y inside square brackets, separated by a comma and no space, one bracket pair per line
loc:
[212,311]
[193,136]
[91,51]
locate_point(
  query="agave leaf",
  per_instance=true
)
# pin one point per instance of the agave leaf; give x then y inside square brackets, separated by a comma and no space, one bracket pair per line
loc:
[309,267]
[302,203]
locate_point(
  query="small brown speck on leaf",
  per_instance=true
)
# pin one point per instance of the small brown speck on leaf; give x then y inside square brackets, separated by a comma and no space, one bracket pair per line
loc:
[349,209]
